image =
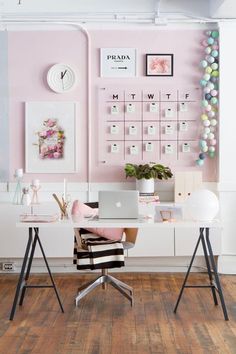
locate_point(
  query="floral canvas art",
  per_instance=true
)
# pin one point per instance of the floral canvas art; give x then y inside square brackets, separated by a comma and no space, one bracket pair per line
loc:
[50,137]
[51,140]
[159,64]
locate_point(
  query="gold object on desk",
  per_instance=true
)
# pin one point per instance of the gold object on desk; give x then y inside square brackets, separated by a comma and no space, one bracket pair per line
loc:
[166,215]
[63,205]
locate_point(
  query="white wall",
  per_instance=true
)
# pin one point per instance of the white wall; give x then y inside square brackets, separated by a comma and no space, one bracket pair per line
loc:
[227,105]
[227,166]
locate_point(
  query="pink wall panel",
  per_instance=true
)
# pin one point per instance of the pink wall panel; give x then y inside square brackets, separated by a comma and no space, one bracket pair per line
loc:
[30,56]
[32,53]
[187,50]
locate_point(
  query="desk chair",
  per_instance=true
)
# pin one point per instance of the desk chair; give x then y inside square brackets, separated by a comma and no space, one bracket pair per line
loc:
[105,278]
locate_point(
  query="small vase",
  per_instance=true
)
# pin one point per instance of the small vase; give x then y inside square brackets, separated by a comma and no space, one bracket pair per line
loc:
[145,186]
[25,199]
[64,215]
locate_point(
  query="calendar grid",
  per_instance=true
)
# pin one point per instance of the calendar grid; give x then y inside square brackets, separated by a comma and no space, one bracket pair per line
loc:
[145,124]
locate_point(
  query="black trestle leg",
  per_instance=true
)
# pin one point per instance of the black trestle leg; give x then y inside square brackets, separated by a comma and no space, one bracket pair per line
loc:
[217,280]
[22,282]
[28,270]
[188,271]
[21,277]
[209,270]
[49,271]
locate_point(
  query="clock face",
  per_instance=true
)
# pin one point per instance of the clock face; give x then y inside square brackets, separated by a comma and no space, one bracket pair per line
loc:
[61,78]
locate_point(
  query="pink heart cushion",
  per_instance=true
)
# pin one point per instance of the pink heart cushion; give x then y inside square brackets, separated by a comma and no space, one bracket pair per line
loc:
[83,209]
[111,233]
[80,208]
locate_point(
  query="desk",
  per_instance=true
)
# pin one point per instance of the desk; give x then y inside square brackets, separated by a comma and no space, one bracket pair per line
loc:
[204,239]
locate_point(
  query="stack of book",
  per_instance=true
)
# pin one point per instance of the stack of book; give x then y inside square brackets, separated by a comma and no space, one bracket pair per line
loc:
[149,198]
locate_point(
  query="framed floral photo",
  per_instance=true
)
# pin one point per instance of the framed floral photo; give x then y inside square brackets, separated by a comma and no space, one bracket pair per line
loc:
[50,137]
[159,64]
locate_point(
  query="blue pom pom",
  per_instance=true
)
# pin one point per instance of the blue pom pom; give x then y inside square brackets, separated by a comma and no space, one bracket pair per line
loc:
[203,63]
[214,79]
[202,156]
[210,40]
[214,53]
[203,82]
[207,96]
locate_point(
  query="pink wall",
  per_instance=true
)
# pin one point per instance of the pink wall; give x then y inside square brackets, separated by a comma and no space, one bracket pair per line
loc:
[32,53]
[30,56]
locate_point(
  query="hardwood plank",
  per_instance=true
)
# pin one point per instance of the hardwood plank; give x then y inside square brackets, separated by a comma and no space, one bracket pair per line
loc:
[105,323]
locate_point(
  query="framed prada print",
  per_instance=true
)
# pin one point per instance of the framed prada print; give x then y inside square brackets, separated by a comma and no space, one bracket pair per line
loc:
[118,62]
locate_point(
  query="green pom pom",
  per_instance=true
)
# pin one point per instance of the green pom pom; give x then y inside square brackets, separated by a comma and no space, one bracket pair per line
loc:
[199,162]
[204,117]
[215,73]
[215,34]
[208,70]
[214,100]
[211,154]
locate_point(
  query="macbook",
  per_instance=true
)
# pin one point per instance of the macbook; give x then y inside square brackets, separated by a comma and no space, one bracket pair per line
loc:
[118,204]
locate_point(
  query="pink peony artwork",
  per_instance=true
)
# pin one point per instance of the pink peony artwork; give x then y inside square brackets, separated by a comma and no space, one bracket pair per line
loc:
[51,140]
[159,65]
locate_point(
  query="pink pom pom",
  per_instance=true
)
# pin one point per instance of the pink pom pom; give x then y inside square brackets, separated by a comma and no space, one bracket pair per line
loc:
[214,93]
[212,142]
[208,108]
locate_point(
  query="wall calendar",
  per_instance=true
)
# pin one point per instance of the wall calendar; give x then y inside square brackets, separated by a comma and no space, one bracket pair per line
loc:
[151,124]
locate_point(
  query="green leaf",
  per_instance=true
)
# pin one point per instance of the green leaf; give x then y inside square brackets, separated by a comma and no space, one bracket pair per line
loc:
[147,171]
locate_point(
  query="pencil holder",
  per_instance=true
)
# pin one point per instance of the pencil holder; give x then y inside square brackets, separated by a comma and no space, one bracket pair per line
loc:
[63,205]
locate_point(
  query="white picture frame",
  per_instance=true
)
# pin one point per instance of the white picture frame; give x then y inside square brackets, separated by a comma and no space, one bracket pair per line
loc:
[58,114]
[118,62]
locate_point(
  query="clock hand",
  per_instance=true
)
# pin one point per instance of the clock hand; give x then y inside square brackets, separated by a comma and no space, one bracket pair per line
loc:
[63,74]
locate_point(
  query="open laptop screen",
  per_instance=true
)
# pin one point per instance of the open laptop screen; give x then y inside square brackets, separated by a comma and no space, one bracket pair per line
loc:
[118,204]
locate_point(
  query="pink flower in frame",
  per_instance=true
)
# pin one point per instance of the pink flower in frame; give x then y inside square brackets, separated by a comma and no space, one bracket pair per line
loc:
[43,134]
[51,140]
[56,155]
[159,64]
[50,122]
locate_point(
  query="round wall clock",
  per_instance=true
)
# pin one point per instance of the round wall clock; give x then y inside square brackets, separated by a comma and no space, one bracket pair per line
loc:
[61,78]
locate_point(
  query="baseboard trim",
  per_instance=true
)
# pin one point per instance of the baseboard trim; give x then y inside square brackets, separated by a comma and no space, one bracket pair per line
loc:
[132,264]
[227,264]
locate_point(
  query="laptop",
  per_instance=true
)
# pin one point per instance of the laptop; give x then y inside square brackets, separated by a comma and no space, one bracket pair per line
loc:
[118,204]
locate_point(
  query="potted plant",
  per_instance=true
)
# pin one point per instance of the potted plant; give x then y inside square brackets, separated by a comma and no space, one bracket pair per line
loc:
[146,174]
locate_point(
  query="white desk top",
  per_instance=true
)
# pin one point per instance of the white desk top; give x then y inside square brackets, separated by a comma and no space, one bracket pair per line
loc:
[80,222]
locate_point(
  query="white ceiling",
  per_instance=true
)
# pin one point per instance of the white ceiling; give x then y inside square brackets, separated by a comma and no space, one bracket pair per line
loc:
[197,8]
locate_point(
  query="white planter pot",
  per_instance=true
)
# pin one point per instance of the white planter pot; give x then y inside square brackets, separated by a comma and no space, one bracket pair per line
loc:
[145,186]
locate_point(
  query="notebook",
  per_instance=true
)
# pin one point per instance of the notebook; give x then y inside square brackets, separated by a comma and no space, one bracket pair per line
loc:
[118,204]
[38,218]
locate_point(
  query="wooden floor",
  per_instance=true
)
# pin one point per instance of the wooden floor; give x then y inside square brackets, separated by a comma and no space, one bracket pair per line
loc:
[105,323]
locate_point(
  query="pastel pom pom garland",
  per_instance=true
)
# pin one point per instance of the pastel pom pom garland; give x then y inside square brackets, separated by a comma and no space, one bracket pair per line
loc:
[209,83]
